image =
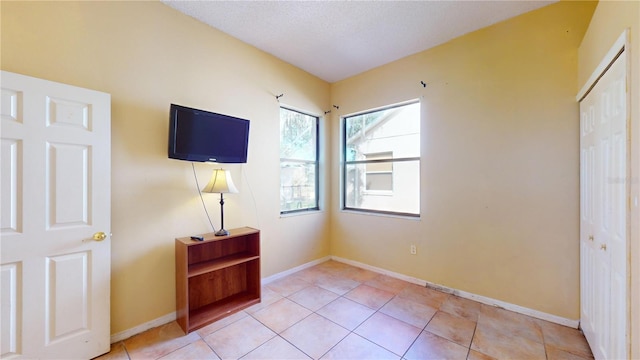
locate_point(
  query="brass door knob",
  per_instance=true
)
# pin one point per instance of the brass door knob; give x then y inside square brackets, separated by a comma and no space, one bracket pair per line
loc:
[603,247]
[99,236]
[591,237]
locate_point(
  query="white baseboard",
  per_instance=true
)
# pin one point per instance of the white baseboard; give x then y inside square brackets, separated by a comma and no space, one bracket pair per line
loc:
[280,275]
[381,271]
[172,316]
[463,294]
[143,327]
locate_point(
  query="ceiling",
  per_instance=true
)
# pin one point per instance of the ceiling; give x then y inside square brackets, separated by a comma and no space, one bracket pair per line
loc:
[334,40]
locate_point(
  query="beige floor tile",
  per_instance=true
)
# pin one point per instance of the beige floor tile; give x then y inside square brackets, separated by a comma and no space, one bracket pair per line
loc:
[311,274]
[239,338]
[276,349]
[565,338]
[346,313]
[356,347]
[411,312]
[159,341]
[453,328]
[424,295]
[387,283]
[359,275]
[388,332]
[446,319]
[281,315]
[215,326]
[474,355]
[429,346]
[196,350]
[464,308]
[553,353]
[268,297]
[288,285]
[334,267]
[502,345]
[337,284]
[509,322]
[117,352]
[369,296]
[313,297]
[315,335]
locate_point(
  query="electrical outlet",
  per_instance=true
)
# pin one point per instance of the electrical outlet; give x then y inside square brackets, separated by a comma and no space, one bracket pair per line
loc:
[413,250]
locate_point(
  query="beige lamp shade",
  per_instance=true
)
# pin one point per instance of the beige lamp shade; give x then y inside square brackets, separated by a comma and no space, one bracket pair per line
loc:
[220,183]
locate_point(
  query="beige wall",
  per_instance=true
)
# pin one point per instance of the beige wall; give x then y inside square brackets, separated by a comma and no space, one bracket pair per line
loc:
[147,55]
[609,20]
[499,171]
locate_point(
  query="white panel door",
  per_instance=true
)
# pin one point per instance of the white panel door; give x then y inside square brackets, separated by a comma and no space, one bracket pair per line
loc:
[603,215]
[55,189]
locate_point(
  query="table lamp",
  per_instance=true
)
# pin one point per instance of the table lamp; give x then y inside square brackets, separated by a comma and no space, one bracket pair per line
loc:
[220,183]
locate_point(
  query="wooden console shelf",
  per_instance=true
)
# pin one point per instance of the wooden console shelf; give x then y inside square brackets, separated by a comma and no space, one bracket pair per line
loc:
[216,277]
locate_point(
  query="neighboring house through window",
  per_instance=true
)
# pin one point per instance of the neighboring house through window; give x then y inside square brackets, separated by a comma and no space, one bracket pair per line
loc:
[378,172]
[298,161]
[381,160]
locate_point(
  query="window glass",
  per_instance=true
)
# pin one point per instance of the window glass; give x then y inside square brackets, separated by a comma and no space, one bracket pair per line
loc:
[382,160]
[298,161]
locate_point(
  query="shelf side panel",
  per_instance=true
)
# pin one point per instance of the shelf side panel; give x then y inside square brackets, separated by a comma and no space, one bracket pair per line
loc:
[253,277]
[182,293]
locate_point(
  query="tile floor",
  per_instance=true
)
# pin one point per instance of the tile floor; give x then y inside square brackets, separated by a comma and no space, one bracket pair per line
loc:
[337,311]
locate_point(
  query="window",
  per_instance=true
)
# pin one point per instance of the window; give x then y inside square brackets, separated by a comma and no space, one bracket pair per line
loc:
[298,161]
[381,167]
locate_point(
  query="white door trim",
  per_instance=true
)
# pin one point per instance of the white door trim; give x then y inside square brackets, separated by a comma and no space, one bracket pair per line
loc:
[620,44]
[620,48]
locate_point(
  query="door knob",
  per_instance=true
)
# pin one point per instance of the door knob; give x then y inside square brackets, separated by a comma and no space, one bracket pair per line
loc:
[603,247]
[99,236]
[591,237]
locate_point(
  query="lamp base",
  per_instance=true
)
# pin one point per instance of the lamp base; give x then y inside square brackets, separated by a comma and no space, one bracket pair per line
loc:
[222,232]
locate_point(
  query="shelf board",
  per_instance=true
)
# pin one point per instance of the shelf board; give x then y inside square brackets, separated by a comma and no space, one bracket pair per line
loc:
[219,309]
[212,237]
[221,263]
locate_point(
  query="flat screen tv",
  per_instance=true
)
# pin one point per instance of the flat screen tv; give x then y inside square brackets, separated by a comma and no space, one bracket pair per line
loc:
[199,135]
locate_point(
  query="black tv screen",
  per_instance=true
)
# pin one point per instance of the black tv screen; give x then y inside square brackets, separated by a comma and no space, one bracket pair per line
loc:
[198,135]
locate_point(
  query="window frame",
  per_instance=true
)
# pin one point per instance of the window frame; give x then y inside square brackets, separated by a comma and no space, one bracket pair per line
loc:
[346,163]
[316,162]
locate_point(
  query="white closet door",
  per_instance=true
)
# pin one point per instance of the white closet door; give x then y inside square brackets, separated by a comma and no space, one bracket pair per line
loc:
[55,176]
[603,215]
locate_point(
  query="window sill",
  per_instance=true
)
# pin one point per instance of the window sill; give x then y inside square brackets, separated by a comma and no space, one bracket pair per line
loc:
[378,192]
[300,213]
[395,216]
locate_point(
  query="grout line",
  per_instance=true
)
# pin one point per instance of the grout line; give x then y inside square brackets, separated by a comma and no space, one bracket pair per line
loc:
[463,294]
[212,349]
[344,298]
[349,331]
[312,312]
[294,345]
[473,335]
[125,350]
